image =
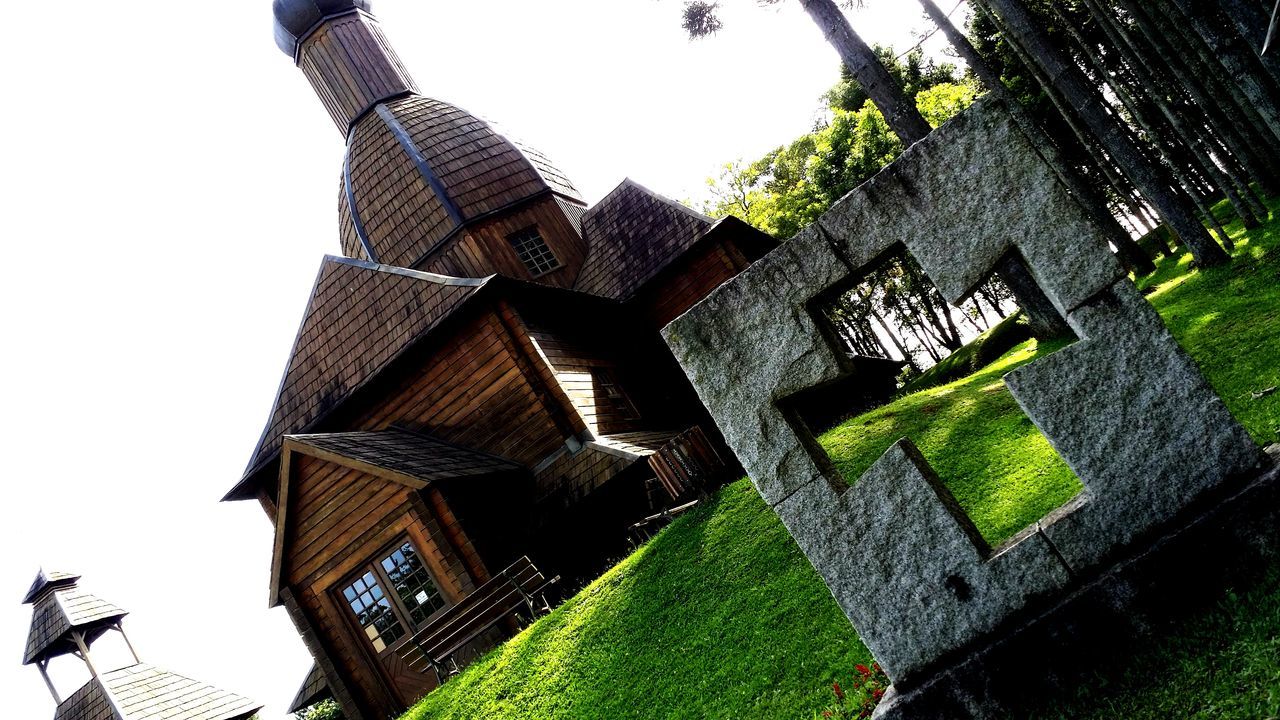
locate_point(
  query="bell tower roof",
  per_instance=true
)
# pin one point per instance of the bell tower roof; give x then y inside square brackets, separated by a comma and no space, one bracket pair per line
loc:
[63,611]
[45,580]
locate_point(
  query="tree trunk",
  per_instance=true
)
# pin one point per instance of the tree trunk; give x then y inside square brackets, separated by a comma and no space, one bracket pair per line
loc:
[1023,30]
[1089,198]
[1241,63]
[1240,127]
[899,111]
[1192,139]
[1251,21]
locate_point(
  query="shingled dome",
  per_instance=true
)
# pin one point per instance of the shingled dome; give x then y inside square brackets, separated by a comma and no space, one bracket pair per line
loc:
[419,169]
[295,18]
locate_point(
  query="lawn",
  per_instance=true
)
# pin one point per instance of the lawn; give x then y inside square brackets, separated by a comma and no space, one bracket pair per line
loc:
[720,616]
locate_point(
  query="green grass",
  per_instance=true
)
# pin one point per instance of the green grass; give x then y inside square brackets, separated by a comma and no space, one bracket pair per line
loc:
[1221,665]
[986,450]
[720,616]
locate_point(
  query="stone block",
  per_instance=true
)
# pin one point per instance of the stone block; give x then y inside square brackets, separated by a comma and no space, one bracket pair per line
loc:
[1131,414]
[1125,406]
[907,566]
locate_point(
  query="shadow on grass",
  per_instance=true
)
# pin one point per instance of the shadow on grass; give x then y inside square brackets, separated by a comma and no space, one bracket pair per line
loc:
[720,616]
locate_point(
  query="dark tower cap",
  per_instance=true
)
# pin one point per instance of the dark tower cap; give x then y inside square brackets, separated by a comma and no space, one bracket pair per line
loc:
[296,18]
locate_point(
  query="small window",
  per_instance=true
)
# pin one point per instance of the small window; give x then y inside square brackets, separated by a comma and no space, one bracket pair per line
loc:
[533,251]
[393,596]
[412,583]
[373,611]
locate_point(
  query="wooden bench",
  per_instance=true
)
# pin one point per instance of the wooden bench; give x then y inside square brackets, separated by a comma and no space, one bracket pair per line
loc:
[520,586]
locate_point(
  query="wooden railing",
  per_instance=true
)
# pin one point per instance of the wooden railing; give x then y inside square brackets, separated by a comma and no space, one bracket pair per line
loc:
[688,465]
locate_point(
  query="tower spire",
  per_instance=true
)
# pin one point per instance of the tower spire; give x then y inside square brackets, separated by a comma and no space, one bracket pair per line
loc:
[342,50]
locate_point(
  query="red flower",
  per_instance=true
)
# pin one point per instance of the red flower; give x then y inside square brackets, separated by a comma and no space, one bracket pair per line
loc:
[863,670]
[838,691]
[877,694]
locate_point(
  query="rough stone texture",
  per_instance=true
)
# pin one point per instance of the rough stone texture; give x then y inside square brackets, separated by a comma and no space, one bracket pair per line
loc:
[1123,406]
[1097,627]
[901,547]
[1126,407]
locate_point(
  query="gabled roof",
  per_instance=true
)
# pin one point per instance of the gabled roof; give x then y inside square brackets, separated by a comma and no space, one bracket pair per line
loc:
[142,692]
[360,317]
[631,235]
[46,580]
[314,689]
[411,459]
[57,614]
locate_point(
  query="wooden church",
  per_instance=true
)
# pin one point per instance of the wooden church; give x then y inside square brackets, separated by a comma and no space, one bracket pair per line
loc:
[67,621]
[478,389]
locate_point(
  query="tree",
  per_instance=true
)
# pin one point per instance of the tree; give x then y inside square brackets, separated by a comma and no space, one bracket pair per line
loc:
[1076,97]
[902,116]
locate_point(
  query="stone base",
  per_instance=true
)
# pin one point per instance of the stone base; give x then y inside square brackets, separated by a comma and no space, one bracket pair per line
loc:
[1096,628]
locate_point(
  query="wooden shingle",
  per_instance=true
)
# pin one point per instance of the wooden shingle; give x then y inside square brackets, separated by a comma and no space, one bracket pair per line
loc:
[314,689]
[142,692]
[632,234]
[408,453]
[56,614]
[360,317]
[419,169]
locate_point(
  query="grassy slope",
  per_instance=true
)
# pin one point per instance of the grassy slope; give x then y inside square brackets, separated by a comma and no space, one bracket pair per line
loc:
[721,617]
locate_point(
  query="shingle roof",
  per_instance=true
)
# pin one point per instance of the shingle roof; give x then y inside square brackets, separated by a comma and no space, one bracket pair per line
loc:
[314,689]
[142,692]
[419,167]
[409,453]
[631,235]
[46,580]
[360,317]
[57,613]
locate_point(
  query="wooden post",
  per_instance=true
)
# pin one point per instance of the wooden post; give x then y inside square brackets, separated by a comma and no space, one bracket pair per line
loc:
[120,627]
[43,666]
[84,653]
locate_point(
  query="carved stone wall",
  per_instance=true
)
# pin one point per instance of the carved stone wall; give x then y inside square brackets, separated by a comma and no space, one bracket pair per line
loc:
[1124,406]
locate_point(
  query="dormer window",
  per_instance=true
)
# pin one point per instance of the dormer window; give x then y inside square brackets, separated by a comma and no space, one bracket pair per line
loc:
[533,251]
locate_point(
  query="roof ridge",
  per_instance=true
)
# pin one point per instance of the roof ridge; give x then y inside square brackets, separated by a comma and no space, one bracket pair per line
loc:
[663,198]
[409,272]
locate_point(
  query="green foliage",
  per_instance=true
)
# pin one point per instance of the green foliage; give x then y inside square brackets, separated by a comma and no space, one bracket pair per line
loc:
[913,73]
[792,185]
[980,352]
[323,710]
[1221,665]
[942,102]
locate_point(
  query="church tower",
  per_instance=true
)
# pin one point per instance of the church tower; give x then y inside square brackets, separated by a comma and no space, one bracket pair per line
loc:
[426,185]
[66,620]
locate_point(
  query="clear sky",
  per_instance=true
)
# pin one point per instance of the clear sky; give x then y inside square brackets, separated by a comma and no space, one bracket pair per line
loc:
[168,185]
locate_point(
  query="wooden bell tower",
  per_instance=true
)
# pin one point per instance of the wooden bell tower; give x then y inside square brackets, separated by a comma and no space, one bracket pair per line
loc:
[66,620]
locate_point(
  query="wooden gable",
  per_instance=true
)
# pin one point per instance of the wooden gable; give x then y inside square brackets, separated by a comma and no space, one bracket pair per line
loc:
[360,318]
[341,492]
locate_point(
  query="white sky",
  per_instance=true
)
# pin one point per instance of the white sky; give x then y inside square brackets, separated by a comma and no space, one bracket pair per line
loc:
[168,186]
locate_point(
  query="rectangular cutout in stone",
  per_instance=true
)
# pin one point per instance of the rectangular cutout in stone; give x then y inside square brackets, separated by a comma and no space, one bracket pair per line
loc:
[1124,406]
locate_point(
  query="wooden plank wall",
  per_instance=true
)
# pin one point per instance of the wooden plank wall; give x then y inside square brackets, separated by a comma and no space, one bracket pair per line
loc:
[340,519]
[483,249]
[685,282]
[473,393]
[574,358]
